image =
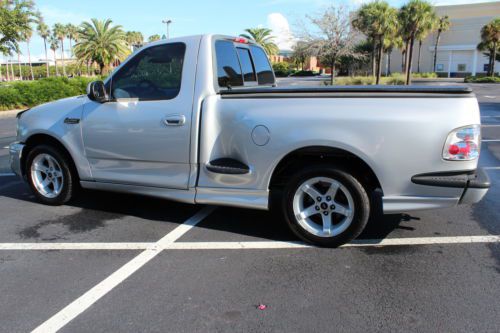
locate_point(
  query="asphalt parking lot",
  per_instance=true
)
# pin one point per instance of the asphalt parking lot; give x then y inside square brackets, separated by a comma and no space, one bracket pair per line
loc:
[120,263]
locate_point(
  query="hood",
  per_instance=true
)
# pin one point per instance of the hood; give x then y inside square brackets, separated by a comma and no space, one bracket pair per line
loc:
[49,118]
[65,105]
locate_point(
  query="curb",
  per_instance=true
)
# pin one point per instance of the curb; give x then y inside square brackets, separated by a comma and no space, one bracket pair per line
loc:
[9,114]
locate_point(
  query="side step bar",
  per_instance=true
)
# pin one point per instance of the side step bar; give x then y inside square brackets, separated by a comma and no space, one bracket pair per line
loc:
[228,166]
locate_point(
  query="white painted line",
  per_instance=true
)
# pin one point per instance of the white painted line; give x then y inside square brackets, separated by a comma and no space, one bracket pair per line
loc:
[6,147]
[168,244]
[74,246]
[82,303]
[490,116]
[356,243]
[491,168]
[491,140]
[490,125]
[7,174]
[491,97]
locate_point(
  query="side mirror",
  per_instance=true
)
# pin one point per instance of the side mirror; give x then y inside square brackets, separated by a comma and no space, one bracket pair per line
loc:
[96,91]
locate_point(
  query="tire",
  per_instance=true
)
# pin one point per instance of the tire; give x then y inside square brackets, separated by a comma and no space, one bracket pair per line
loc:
[48,165]
[310,201]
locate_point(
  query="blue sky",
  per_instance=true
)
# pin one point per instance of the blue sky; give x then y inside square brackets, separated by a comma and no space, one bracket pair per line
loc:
[191,16]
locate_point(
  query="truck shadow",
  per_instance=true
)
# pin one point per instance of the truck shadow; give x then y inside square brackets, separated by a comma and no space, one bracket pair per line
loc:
[225,224]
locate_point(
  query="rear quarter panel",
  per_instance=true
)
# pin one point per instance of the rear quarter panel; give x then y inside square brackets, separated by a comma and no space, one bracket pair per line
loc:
[396,137]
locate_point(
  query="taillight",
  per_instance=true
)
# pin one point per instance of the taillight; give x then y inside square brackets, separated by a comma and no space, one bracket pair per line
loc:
[463,144]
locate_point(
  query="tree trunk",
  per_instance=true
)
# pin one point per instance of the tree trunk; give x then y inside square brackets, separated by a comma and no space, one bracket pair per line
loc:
[333,70]
[29,61]
[7,70]
[46,56]
[19,66]
[62,58]
[379,60]
[436,49]
[403,65]
[389,63]
[12,70]
[373,57]
[55,62]
[419,49]
[1,76]
[410,59]
[494,59]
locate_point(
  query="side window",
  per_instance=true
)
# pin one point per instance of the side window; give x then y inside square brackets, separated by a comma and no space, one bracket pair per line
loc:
[262,67]
[246,65]
[228,66]
[153,74]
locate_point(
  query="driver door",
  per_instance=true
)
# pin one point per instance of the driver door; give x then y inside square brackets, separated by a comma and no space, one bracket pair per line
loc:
[142,136]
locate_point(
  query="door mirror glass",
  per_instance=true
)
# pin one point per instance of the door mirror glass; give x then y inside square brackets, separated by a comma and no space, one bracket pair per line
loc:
[96,91]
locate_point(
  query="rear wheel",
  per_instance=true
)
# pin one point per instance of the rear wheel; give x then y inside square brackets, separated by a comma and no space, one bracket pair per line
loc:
[326,206]
[49,175]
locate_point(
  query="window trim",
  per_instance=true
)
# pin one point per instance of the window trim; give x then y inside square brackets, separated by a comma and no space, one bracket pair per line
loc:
[215,80]
[270,65]
[120,68]
[250,55]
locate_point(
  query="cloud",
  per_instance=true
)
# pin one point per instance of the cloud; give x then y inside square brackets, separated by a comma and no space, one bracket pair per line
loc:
[278,23]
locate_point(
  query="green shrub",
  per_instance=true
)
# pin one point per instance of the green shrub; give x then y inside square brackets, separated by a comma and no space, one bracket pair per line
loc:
[305,73]
[281,69]
[368,80]
[430,75]
[485,79]
[22,94]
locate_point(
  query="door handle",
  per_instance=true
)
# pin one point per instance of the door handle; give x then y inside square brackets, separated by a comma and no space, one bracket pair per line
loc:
[174,120]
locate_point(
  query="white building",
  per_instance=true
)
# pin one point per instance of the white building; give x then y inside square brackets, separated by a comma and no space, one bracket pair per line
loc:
[457,54]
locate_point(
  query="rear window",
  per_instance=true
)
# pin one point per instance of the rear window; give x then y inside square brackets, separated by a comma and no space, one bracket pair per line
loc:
[237,65]
[262,67]
[246,65]
[228,66]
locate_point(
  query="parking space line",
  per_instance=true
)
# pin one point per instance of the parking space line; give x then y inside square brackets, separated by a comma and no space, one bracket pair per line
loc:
[491,168]
[170,244]
[82,303]
[356,243]
[490,140]
[74,246]
[490,125]
[8,174]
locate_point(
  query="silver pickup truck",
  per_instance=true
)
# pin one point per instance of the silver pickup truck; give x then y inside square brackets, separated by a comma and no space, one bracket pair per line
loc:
[200,120]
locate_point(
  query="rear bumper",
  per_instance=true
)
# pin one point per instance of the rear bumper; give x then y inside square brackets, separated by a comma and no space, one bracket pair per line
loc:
[16,154]
[475,183]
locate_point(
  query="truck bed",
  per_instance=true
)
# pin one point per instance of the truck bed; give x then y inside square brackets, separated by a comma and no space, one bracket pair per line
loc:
[349,91]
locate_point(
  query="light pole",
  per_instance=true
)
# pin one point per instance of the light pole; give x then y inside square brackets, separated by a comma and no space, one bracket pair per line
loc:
[167,22]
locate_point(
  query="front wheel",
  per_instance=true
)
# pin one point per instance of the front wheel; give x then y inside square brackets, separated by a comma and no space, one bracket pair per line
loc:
[326,206]
[49,175]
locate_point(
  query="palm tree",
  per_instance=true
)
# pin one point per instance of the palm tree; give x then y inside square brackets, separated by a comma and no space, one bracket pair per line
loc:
[72,34]
[54,45]
[413,18]
[427,26]
[102,43]
[378,20]
[59,31]
[134,39]
[490,37]
[44,32]
[442,25]
[154,38]
[264,38]
[27,37]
